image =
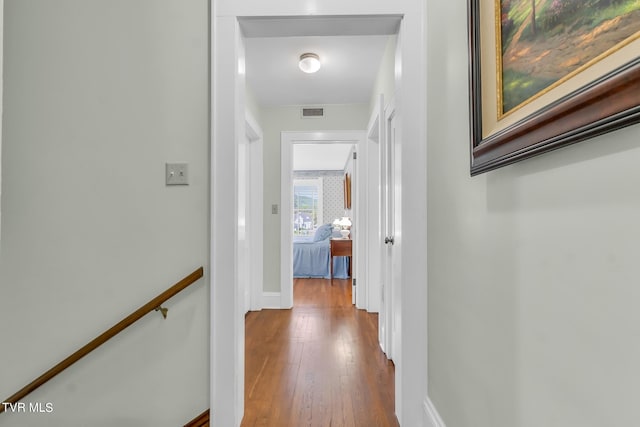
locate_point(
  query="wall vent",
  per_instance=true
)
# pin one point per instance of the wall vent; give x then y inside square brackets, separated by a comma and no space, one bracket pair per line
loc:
[312,112]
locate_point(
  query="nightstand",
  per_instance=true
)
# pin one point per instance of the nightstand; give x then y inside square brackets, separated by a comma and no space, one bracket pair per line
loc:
[340,247]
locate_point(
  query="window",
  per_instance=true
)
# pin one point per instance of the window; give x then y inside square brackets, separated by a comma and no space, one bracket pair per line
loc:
[307,206]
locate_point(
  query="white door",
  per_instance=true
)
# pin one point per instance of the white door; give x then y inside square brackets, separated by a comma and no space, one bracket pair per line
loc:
[393,249]
[390,293]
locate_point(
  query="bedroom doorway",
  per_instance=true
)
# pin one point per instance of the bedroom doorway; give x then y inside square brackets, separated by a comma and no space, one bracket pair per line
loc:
[319,208]
[303,158]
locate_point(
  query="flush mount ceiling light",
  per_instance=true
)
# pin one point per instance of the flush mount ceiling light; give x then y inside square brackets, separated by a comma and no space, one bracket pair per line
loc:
[309,62]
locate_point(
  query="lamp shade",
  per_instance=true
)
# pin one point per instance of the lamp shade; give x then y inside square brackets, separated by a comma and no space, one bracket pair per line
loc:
[309,62]
[345,222]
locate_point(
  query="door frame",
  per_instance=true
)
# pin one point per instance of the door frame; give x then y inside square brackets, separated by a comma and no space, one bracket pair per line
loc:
[287,140]
[255,217]
[390,276]
[227,114]
[374,235]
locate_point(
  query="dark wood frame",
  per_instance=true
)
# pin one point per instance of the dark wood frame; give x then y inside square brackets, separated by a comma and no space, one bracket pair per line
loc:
[604,105]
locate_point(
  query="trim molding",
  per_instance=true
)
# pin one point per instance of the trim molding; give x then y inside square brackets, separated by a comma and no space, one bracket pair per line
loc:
[271,300]
[287,140]
[431,415]
[254,213]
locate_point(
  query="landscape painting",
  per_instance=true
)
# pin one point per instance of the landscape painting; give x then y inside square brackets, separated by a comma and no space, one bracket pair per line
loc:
[543,42]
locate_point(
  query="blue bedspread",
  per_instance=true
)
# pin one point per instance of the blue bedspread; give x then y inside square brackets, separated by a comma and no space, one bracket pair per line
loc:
[311,259]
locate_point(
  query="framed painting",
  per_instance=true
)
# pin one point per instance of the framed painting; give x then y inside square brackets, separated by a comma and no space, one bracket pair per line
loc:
[548,73]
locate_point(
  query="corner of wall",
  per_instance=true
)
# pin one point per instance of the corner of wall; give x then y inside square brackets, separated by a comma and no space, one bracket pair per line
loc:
[385,78]
[431,416]
[252,104]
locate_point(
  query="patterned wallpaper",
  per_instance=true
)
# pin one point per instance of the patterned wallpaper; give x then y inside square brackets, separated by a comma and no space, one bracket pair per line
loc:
[333,198]
[332,192]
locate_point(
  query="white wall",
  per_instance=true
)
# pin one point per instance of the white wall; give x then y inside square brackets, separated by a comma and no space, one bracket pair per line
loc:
[274,121]
[385,79]
[98,96]
[533,268]
[252,105]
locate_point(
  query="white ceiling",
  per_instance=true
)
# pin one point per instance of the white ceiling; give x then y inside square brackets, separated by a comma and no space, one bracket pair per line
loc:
[350,50]
[318,25]
[325,156]
[349,68]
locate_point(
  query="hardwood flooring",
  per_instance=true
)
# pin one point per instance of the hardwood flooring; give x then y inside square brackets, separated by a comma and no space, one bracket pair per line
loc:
[318,364]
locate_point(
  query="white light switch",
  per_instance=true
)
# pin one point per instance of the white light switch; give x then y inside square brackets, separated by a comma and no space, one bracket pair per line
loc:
[177,173]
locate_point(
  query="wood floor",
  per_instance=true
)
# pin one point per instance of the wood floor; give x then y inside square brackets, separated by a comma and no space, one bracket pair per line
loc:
[318,364]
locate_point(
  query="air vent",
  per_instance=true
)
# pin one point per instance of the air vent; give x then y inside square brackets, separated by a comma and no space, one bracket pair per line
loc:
[314,112]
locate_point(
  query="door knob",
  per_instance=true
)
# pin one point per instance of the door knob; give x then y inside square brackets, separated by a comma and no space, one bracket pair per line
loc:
[388,240]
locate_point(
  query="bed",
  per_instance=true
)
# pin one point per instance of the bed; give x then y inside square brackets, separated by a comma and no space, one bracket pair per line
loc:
[311,255]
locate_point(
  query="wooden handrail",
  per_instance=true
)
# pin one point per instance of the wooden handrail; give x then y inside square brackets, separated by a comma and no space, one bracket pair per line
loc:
[104,337]
[201,420]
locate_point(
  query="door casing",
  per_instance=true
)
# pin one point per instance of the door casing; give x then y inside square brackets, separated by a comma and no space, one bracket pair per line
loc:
[227,126]
[288,139]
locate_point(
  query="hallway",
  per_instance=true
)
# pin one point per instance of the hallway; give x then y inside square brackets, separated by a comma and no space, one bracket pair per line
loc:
[318,364]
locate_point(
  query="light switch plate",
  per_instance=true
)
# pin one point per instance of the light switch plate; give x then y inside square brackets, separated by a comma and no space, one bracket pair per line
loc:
[177,173]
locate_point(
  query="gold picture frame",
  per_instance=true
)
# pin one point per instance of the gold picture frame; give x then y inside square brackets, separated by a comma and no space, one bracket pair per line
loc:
[347,191]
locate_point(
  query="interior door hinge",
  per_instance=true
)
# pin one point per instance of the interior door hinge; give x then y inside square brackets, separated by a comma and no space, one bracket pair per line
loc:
[355,155]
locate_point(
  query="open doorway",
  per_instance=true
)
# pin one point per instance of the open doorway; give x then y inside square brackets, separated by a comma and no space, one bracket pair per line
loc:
[410,379]
[323,163]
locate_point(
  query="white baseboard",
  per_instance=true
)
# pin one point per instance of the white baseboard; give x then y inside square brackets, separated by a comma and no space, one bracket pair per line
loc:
[431,415]
[271,300]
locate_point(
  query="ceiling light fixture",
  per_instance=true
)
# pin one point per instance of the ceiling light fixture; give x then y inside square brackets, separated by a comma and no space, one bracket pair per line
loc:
[309,62]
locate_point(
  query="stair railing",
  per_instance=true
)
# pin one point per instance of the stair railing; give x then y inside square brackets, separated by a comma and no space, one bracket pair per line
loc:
[153,305]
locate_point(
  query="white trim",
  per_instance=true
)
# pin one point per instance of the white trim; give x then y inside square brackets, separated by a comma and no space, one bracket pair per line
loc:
[255,211]
[226,308]
[1,100]
[227,327]
[360,213]
[431,416]
[287,140]
[390,278]
[286,240]
[373,233]
[271,300]
[411,238]
[254,132]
